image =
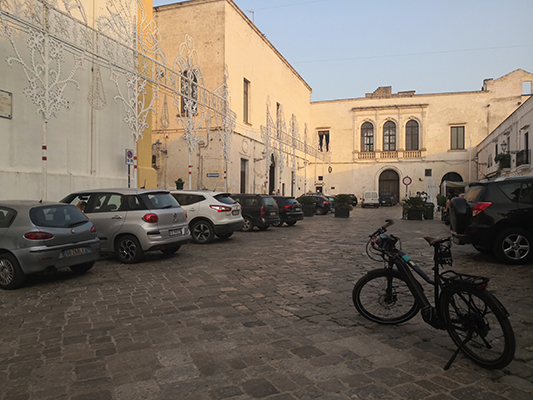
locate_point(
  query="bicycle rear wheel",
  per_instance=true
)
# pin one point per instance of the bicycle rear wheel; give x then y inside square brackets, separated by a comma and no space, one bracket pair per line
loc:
[382,296]
[477,321]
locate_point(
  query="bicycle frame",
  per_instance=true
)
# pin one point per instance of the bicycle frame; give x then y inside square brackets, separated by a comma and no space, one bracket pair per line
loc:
[405,266]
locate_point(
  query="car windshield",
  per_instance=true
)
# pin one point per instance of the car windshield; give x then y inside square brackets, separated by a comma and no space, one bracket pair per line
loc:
[57,216]
[224,198]
[161,200]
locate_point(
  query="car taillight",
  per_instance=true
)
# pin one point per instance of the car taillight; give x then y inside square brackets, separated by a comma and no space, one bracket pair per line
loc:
[221,208]
[262,215]
[480,207]
[93,229]
[38,235]
[289,207]
[151,218]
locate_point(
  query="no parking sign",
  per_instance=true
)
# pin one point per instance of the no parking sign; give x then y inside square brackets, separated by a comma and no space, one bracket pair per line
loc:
[129,157]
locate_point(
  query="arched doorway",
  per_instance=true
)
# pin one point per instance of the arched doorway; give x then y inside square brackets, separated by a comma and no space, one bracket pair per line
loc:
[389,181]
[272,175]
[454,182]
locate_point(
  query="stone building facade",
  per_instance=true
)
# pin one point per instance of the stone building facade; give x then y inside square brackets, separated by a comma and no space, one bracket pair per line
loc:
[507,150]
[377,142]
[270,150]
[62,125]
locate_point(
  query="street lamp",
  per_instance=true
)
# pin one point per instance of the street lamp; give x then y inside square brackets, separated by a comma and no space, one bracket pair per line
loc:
[504,148]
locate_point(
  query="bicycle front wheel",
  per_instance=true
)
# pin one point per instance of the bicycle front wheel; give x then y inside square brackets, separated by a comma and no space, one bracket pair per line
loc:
[383,296]
[477,323]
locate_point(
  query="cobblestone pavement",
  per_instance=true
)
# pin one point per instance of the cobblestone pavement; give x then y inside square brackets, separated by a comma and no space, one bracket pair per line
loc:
[263,315]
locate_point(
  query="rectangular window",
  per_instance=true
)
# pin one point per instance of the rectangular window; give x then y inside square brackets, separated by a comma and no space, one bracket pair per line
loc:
[527,89]
[246,101]
[244,168]
[323,140]
[457,138]
[428,172]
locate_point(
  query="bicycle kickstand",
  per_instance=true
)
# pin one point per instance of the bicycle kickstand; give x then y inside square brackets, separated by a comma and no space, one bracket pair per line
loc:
[459,348]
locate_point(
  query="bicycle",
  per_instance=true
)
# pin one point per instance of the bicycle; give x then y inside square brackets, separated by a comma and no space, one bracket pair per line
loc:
[475,320]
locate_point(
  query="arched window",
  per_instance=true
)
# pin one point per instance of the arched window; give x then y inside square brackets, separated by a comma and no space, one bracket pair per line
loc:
[411,135]
[389,136]
[367,136]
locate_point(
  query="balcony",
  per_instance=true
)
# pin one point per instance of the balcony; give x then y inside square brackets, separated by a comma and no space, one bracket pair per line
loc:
[412,154]
[523,157]
[366,155]
[389,154]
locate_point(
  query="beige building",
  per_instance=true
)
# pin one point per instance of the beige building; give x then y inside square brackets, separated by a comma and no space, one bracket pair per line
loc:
[377,142]
[270,99]
[507,150]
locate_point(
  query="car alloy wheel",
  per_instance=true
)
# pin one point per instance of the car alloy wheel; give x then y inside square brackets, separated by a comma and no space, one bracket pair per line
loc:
[128,249]
[513,246]
[11,275]
[202,232]
[248,224]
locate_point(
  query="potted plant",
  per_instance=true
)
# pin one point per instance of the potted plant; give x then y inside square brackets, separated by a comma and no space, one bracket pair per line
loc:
[414,208]
[343,206]
[179,184]
[441,202]
[308,205]
[503,160]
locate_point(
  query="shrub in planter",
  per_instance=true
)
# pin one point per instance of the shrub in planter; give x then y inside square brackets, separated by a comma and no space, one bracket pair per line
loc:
[308,205]
[179,184]
[414,208]
[343,206]
[503,160]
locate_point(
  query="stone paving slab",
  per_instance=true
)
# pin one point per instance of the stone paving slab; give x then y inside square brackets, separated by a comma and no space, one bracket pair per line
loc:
[264,315]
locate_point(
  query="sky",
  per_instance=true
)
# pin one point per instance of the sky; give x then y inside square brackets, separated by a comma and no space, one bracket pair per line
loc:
[347,48]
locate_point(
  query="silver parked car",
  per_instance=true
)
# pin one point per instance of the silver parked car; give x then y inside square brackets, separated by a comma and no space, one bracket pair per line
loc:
[39,236]
[133,221]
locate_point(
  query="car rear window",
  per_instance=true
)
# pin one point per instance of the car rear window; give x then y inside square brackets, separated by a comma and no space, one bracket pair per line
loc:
[268,201]
[511,190]
[186,199]
[291,201]
[161,200]
[473,194]
[56,216]
[7,216]
[224,198]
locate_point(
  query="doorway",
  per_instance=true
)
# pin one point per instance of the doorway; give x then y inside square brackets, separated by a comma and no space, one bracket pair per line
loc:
[272,175]
[389,181]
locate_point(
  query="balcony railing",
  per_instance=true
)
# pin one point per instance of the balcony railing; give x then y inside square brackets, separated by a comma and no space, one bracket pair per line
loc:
[367,155]
[412,154]
[389,154]
[523,157]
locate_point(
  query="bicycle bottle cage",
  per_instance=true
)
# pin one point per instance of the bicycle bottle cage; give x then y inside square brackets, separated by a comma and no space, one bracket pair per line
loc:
[472,281]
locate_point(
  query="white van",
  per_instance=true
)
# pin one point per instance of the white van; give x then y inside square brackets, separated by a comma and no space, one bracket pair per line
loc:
[370,199]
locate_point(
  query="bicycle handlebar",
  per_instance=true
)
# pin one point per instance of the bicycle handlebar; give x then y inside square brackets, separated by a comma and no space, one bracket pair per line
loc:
[383,229]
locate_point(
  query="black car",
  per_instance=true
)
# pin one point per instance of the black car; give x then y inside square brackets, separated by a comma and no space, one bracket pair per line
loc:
[353,197]
[290,210]
[496,216]
[322,204]
[259,210]
[387,199]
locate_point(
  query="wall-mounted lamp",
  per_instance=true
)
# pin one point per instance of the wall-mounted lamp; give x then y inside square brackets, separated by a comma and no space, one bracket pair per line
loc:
[158,146]
[504,148]
[476,160]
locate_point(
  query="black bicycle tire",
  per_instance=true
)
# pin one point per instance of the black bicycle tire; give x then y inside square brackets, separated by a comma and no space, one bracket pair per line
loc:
[498,318]
[377,300]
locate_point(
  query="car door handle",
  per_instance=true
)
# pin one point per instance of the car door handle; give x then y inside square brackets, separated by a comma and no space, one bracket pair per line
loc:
[117,217]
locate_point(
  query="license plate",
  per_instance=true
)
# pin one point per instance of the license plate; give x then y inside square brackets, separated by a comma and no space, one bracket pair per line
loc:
[75,252]
[272,213]
[297,209]
[174,232]
[235,212]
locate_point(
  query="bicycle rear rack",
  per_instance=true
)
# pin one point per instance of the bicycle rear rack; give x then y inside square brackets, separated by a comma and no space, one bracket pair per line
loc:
[476,282]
